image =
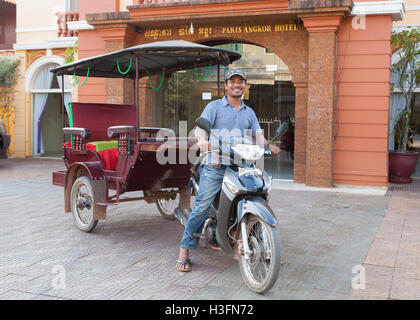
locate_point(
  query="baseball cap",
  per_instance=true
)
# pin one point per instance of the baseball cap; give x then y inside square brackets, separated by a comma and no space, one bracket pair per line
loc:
[234,71]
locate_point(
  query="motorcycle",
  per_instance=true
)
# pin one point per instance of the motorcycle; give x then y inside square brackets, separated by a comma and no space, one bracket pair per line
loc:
[240,221]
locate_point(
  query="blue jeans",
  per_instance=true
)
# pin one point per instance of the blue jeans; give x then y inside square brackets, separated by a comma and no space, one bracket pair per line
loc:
[211,178]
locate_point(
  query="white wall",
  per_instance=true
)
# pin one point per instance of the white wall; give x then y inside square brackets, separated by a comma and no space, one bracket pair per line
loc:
[36,20]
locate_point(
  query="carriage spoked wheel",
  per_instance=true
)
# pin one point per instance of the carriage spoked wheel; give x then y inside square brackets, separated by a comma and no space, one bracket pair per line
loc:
[81,200]
[167,205]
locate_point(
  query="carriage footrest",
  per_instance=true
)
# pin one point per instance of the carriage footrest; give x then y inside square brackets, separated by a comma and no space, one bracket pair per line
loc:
[105,204]
[59,178]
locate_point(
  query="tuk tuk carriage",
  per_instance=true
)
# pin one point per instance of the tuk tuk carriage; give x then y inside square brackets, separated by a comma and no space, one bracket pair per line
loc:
[109,151]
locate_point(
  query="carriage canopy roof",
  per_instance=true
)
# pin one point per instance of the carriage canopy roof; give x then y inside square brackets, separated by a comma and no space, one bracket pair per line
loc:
[168,56]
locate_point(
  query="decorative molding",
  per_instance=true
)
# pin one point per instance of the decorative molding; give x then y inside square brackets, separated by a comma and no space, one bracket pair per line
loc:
[55,28]
[300,84]
[184,9]
[395,8]
[322,24]
[50,90]
[412,8]
[404,26]
[398,90]
[79,25]
[60,52]
[35,67]
[50,44]
[118,34]
[32,55]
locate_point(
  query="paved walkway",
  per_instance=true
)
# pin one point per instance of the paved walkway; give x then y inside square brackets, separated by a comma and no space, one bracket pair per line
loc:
[331,242]
[393,262]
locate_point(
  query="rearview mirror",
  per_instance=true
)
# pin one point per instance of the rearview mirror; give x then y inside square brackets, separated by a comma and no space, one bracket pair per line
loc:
[282,129]
[204,124]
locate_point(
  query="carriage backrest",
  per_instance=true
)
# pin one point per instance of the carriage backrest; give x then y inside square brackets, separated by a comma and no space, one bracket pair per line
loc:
[98,117]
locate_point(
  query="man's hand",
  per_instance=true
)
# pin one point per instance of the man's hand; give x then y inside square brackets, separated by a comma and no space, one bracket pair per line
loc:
[274,149]
[201,138]
[204,145]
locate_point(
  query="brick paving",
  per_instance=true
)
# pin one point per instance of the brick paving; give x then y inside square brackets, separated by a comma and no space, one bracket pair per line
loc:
[131,255]
[393,261]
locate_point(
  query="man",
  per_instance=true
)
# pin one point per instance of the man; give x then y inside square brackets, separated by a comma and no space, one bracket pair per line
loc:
[227,114]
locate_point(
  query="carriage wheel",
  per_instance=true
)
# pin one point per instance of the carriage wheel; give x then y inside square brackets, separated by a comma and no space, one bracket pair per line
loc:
[81,200]
[166,206]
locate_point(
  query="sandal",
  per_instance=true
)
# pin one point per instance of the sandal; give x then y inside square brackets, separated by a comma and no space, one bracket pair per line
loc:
[183,263]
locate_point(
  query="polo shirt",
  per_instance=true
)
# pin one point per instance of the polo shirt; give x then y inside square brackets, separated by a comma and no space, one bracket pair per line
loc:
[227,123]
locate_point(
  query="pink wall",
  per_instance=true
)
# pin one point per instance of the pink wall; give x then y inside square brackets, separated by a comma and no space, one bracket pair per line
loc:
[363,76]
[89,6]
[91,44]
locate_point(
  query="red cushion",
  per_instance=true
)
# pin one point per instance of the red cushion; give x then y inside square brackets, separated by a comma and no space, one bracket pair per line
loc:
[109,157]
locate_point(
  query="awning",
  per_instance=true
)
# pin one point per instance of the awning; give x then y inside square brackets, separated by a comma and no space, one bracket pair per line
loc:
[154,58]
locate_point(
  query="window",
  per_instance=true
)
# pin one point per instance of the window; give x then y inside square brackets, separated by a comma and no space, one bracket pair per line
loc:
[72,5]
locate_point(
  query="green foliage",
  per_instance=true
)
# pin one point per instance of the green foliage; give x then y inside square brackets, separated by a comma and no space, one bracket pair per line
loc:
[71,53]
[399,131]
[9,67]
[406,43]
[8,71]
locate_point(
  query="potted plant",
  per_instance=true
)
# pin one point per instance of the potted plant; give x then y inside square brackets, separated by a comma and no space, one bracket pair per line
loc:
[403,160]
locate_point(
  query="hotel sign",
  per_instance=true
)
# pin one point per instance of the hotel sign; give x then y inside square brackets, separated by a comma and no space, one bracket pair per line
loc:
[207,31]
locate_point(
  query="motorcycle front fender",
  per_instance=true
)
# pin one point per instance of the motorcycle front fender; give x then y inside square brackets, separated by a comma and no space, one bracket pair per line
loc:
[257,207]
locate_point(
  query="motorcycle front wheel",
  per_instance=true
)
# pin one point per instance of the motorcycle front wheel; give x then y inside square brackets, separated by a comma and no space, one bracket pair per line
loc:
[260,272]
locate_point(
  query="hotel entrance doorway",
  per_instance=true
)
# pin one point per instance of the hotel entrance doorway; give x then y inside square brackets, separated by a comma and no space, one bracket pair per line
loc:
[182,96]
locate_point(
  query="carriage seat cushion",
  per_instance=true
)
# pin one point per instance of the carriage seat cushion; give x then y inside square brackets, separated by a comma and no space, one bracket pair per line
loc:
[107,150]
[104,145]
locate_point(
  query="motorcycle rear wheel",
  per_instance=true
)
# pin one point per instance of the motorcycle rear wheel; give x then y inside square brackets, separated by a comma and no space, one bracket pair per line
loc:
[260,272]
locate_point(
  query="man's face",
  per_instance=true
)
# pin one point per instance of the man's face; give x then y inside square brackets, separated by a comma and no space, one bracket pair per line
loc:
[235,86]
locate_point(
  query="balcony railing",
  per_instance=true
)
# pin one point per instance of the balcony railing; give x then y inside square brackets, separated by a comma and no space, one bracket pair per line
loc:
[62,19]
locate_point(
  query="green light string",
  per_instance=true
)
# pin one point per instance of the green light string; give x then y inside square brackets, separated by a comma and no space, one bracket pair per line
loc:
[87,76]
[156,89]
[129,67]
[195,70]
